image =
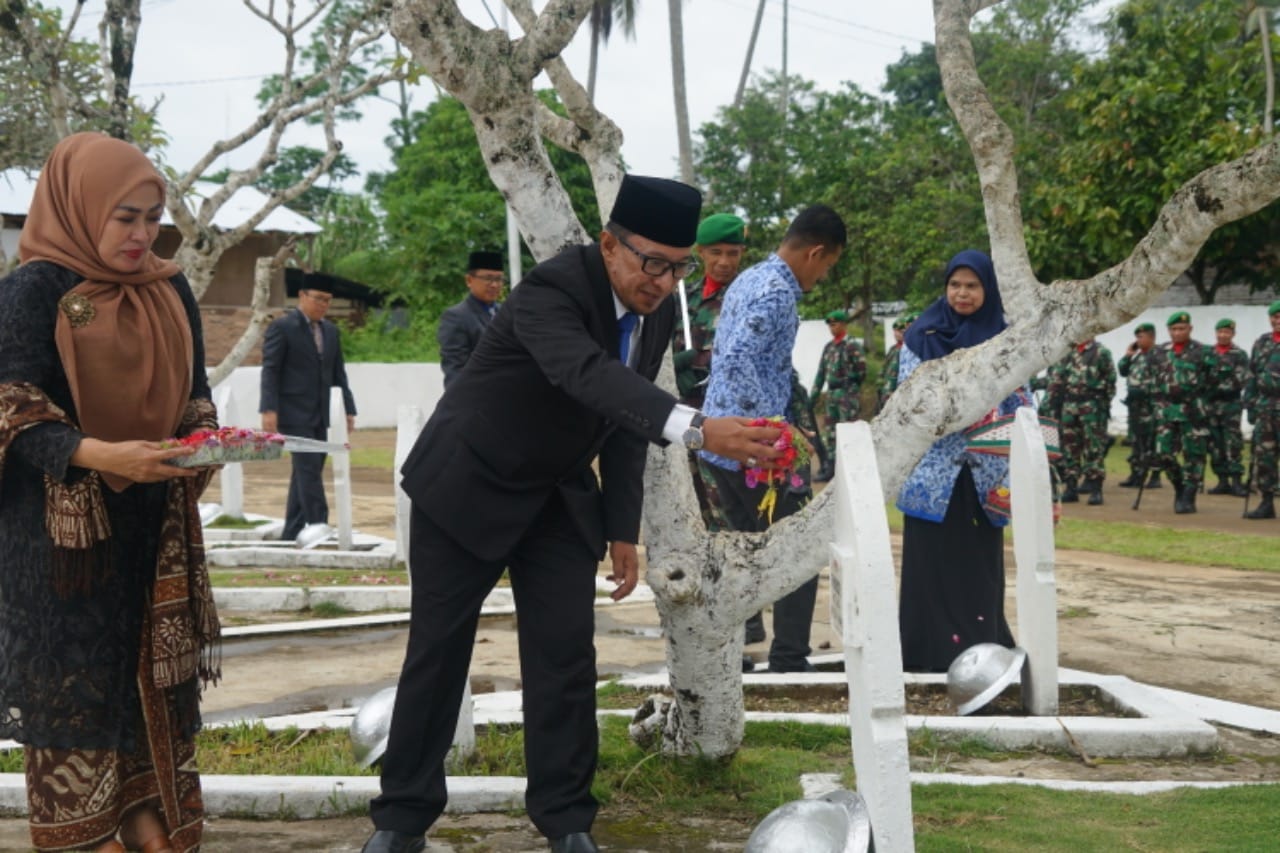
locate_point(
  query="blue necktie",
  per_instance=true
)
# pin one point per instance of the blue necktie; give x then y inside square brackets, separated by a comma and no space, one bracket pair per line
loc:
[626,325]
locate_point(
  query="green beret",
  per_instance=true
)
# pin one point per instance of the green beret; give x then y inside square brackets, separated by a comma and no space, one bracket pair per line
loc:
[838,317]
[1225,323]
[1149,328]
[721,228]
[1178,317]
[902,322]
[1274,308]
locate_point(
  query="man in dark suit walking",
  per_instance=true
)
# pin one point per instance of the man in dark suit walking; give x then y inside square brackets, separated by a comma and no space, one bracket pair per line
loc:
[462,325]
[501,478]
[301,361]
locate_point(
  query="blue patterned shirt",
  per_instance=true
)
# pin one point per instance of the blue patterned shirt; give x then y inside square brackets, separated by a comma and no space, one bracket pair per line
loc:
[751,356]
[927,490]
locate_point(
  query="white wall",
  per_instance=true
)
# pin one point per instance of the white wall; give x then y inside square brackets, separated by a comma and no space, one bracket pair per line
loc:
[379,390]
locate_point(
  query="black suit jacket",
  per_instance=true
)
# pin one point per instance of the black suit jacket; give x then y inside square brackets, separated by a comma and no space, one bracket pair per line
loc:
[543,394]
[460,329]
[295,378]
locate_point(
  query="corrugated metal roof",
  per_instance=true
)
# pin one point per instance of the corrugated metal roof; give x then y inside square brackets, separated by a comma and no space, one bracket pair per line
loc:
[17,187]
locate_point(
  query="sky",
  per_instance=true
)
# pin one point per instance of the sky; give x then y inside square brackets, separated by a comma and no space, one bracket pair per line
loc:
[206,60]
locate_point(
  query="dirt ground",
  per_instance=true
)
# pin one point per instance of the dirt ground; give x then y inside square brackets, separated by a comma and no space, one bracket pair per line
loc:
[1202,629]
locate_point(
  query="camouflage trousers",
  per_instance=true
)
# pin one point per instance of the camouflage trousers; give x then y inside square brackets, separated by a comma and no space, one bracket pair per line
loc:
[1181,437]
[842,407]
[1083,438]
[1142,435]
[1226,442]
[1266,447]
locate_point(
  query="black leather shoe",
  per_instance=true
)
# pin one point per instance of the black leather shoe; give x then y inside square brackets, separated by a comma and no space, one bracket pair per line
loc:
[390,841]
[808,667]
[748,665]
[575,842]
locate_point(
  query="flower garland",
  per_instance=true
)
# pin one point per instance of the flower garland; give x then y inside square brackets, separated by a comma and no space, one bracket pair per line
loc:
[795,457]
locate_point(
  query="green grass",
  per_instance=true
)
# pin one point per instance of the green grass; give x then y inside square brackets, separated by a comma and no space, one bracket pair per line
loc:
[372,457]
[305,577]
[227,522]
[765,773]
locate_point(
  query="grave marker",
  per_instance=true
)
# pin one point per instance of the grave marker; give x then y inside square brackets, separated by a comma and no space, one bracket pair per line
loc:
[1031,497]
[231,477]
[341,467]
[865,607]
[409,422]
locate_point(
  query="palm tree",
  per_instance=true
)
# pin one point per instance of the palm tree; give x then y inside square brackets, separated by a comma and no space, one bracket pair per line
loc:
[602,17]
[683,138]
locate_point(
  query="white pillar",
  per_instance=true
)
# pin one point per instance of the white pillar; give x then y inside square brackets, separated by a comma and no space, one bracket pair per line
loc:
[1032,506]
[341,467]
[231,478]
[409,421]
[864,609]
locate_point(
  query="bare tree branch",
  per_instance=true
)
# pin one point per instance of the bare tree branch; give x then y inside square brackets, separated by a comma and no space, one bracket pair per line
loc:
[264,271]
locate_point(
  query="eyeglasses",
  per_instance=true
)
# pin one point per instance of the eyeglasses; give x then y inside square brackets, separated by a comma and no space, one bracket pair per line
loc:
[490,279]
[658,267]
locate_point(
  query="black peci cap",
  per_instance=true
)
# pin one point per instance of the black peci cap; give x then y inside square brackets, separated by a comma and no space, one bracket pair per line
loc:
[660,210]
[485,261]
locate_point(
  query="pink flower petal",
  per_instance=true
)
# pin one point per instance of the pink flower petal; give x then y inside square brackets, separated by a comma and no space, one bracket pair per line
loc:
[955,638]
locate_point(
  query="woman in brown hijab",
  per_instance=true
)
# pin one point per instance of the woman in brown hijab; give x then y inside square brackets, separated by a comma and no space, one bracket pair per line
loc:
[107,626]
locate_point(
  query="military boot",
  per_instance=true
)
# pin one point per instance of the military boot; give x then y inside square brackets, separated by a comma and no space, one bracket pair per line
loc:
[1223,488]
[1238,489]
[1153,482]
[1069,493]
[1264,509]
[1094,488]
[1186,501]
[1134,480]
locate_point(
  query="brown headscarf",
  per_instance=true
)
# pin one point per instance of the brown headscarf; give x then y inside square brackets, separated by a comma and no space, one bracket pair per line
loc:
[123,338]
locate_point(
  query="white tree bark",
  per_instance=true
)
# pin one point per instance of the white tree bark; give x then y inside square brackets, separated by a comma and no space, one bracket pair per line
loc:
[705,585]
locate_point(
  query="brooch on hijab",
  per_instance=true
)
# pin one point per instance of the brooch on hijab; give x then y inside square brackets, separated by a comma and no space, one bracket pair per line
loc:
[79,310]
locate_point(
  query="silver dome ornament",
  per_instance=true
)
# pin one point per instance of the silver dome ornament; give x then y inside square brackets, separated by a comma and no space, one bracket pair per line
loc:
[371,726]
[837,822]
[981,673]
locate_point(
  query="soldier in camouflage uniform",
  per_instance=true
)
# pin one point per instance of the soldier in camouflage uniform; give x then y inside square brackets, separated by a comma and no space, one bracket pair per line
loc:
[1184,371]
[889,373]
[1262,401]
[842,368]
[1136,366]
[1226,443]
[1082,384]
[720,246]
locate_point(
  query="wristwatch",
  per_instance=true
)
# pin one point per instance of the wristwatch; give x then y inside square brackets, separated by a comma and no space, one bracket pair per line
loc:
[693,435]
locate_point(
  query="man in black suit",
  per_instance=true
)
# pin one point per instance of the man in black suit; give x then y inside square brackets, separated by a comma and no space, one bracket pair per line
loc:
[462,325]
[301,361]
[501,478]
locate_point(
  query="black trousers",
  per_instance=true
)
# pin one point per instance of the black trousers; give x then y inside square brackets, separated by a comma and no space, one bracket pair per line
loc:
[306,503]
[552,575]
[793,613]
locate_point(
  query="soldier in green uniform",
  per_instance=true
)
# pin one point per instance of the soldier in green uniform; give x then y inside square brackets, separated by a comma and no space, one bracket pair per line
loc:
[1184,374]
[1136,366]
[1083,383]
[1225,408]
[889,373]
[842,369]
[1262,401]
[720,246]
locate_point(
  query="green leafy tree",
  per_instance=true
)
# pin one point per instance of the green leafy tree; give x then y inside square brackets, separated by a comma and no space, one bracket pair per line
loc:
[440,204]
[1178,91]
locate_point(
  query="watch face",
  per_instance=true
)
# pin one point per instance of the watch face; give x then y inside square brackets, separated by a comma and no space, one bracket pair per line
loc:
[693,438]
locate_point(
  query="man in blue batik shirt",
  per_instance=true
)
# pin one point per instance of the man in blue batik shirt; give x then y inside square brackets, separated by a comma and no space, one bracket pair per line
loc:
[751,377]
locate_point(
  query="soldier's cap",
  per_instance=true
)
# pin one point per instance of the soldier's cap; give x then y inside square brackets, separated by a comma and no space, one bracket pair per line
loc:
[1178,317]
[1273,308]
[1149,328]
[658,209]
[1225,323]
[722,228]
[484,261]
[902,322]
[838,317]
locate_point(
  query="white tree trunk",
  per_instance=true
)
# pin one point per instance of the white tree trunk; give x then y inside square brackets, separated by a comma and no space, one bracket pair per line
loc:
[705,586]
[684,141]
[263,271]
